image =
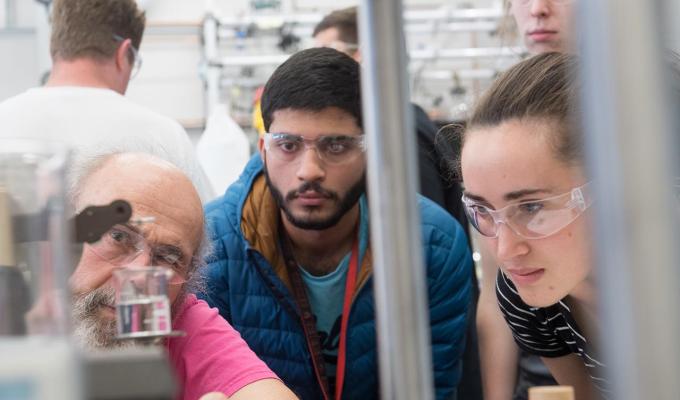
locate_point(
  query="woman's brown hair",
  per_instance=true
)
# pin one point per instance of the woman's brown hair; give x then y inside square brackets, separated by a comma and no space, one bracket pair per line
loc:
[544,88]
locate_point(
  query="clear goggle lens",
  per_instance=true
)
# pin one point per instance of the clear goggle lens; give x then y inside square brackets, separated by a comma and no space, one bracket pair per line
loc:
[333,149]
[122,244]
[534,219]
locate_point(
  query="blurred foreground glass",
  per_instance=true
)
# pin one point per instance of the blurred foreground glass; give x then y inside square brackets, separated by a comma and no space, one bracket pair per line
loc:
[37,360]
[142,302]
[34,238]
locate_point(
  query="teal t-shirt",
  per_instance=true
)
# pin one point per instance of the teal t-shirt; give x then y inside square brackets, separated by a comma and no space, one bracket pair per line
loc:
[326,295]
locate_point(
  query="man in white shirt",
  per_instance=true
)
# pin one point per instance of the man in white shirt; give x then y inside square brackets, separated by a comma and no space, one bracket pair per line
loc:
[94,48]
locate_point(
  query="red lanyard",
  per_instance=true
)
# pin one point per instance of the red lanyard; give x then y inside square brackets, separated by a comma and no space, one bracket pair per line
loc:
[307,318]
[350,285]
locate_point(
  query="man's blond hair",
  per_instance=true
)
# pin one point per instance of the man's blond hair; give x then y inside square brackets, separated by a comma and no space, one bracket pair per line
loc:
[88,28]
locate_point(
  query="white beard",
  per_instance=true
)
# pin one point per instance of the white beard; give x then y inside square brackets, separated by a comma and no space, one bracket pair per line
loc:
[91,331]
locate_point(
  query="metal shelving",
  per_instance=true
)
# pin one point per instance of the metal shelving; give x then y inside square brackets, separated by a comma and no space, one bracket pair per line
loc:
[240,52]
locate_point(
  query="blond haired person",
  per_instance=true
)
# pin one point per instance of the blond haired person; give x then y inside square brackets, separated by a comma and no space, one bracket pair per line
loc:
[95,52]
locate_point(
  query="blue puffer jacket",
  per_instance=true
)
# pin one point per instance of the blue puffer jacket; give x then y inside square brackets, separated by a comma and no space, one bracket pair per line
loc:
[251,292]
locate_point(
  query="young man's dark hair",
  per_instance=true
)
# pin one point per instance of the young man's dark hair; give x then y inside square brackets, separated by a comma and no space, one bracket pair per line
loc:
[345,21]
[313,80]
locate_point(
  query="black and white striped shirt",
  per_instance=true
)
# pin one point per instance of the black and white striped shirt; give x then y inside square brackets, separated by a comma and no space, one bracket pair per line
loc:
[547,331]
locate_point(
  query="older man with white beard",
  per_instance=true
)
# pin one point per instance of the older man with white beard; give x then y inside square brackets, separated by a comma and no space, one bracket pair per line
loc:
[211,357]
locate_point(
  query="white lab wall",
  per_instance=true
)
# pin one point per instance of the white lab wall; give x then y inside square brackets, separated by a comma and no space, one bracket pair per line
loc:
[21,71]
[20,12]
[169,81]
[19,63]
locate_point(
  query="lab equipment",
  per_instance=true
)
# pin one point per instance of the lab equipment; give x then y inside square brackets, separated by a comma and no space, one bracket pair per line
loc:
[142,302]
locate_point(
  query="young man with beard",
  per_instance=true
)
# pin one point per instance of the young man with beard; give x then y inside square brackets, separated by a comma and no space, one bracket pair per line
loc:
[339,30]
[291,268]
[211,356]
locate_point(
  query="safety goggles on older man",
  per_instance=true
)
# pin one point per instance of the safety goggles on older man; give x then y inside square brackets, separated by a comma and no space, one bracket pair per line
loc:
[123,244]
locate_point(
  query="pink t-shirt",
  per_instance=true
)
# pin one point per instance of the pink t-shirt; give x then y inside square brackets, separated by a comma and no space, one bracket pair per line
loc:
[212,357]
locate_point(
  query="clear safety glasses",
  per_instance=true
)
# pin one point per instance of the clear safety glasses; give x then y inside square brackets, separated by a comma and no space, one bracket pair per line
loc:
[136,57]
[123,244]
[332,149]
[535,219]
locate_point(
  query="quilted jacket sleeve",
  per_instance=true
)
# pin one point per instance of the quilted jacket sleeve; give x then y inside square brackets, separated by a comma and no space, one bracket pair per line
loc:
[217,285]
[449,267]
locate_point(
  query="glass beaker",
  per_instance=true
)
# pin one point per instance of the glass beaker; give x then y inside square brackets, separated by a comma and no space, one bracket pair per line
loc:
[34,238]
[142,302]
[36,356]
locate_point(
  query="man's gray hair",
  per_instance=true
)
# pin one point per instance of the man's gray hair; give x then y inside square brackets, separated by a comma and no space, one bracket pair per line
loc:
[197,282]
[81,168]
[85,166]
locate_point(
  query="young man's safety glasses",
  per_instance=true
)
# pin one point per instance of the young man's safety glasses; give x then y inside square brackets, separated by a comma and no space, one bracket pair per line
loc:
[332,149]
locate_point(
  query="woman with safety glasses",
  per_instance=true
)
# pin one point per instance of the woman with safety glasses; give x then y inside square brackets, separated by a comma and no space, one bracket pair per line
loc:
[527,194]
[508,372]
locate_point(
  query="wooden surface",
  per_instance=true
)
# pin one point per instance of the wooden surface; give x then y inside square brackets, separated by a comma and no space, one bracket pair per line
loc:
[6,241]
[551,393]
